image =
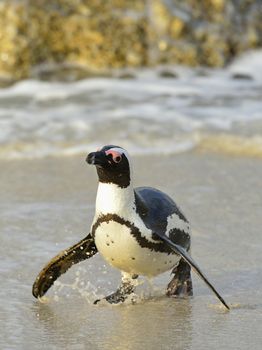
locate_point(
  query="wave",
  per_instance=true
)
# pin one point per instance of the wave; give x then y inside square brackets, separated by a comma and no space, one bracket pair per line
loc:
[222,143]
[151,112]
[232,145]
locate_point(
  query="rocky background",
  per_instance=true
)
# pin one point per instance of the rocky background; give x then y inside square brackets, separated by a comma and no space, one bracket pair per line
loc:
[83,37]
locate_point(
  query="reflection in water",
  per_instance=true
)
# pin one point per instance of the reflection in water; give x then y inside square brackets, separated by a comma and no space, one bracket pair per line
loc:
[153,324]
[158,324]
[63,324]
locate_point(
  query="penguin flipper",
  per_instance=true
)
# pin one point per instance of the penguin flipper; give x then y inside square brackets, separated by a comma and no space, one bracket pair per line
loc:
[80,251]
[184,254]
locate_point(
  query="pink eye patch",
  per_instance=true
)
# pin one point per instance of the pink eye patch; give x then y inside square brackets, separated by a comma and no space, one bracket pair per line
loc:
[116,156]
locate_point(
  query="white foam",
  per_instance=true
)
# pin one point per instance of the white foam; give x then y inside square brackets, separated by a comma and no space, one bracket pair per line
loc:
[250,64]
[149,114]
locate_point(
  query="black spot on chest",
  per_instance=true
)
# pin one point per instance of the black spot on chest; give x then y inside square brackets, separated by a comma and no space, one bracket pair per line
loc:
[158,246]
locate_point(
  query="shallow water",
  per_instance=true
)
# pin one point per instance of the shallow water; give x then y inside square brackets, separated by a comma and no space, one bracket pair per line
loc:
[47,205]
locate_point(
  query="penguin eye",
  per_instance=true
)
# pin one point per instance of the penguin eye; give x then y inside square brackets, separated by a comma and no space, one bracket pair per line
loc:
[116,156]
[117,159]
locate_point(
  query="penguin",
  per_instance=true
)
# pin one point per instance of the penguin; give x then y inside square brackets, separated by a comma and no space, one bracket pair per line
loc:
[140,231]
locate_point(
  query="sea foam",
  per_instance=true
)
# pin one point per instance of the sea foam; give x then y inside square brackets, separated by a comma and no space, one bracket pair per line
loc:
[149,113]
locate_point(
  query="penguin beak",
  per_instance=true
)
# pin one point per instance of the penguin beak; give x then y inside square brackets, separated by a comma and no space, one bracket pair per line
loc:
[97,158]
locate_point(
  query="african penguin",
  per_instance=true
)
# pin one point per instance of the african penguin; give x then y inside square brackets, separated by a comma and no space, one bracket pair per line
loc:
[140,231]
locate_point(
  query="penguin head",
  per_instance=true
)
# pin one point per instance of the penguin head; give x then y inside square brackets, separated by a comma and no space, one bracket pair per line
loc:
[112,165]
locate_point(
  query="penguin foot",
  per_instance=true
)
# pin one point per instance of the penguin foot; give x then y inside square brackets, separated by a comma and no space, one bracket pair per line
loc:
[181,284]
[126,288]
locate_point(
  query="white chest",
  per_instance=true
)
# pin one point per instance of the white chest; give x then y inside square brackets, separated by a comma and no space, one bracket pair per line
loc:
[121,249]
[113,199]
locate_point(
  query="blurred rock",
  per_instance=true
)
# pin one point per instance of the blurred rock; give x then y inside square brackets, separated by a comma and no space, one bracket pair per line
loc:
[168,74]
[98,35]
[241,76]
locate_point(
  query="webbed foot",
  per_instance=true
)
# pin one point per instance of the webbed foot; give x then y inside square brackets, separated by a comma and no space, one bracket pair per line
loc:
[181,283]
[126,288]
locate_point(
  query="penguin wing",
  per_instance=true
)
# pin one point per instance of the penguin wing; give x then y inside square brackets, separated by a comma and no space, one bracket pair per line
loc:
[82,250]
[154,208]
[185,255]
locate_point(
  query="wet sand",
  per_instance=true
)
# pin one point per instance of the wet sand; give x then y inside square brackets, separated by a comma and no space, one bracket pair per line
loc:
[47,205]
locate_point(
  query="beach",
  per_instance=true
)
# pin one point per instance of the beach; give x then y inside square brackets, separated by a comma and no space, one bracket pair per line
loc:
[47,204]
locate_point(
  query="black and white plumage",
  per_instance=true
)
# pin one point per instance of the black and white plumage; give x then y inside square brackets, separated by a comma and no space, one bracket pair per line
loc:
[140,231]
